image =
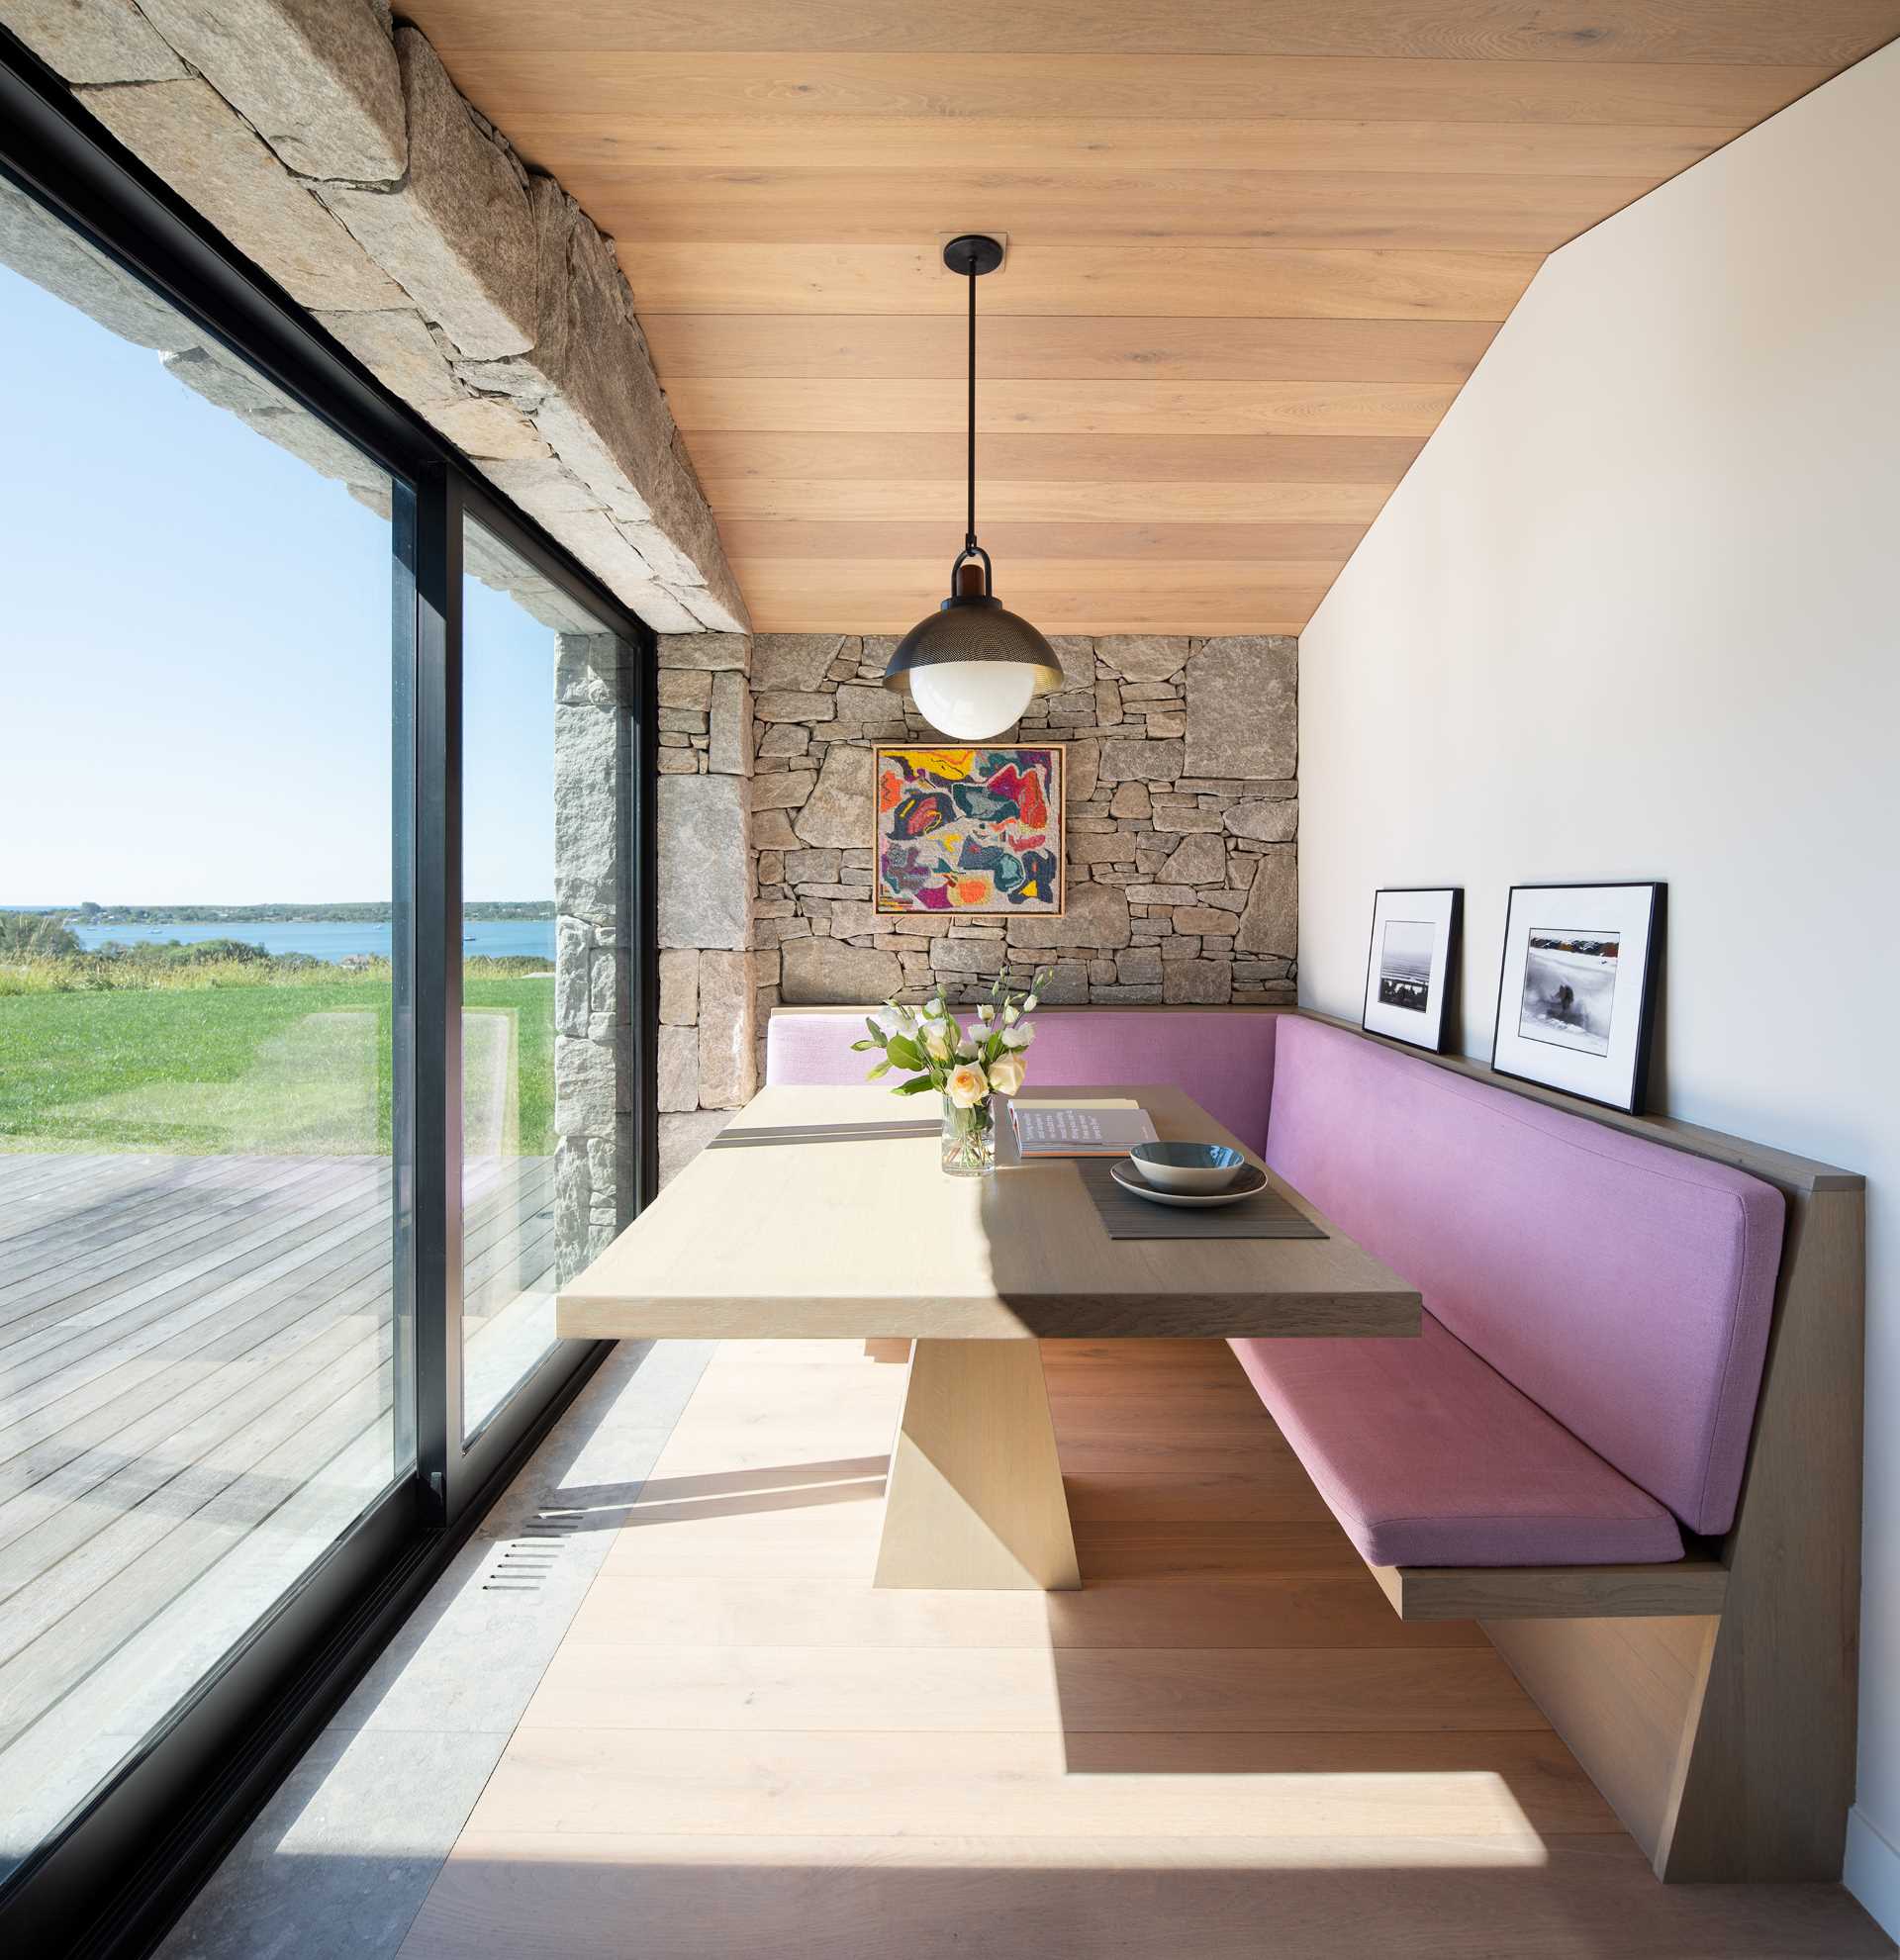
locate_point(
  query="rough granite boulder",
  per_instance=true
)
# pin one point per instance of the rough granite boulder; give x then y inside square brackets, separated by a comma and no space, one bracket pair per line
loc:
[679,1069]
[817,971]
[456,231]
[1197,982]
[1265,823]
[1243,709]
[1199,859]
[679,986]
[1143,657]
[316,78]
[793,663]
[707,880]
[1140,761]
[102,41]
[838,811]
[1096,918]
[1271,922]
[187,133]
[721,652]
[727,1047]
[585,812]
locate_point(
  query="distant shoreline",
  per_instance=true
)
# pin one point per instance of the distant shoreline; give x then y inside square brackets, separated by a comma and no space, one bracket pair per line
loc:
[329,939]
[345,913]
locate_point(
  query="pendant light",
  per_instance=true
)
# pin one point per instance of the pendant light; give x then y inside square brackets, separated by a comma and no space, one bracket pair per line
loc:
[972,667]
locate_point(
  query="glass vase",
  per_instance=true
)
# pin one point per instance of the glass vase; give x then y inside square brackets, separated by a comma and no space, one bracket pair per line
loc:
[969,1139]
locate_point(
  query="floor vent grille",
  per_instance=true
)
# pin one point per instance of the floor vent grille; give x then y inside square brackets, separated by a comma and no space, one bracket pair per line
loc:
[522,1563]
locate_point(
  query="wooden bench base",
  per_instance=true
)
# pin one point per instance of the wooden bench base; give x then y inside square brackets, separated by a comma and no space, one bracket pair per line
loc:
[1713,1701]
[1690,1586]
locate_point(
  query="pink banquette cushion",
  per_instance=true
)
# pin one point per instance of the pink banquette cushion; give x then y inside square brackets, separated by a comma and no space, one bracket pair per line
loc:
[1224,1060]
[1625,1288]
[1429,1457]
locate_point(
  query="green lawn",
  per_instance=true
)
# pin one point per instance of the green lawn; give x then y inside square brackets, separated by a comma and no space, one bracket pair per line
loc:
[291,1067]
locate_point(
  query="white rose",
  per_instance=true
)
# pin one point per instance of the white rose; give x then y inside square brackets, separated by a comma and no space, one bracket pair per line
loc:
[966,1086]
[1009,1016]
[985,1013]
[1006,1072]
[936,1041]
[1029,1002]
[1018,1037]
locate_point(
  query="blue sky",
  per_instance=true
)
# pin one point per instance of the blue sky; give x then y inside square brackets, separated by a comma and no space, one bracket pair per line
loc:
[194,653]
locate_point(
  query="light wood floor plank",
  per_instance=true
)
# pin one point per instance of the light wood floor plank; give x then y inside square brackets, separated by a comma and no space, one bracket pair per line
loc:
[1224,1747]
[614,1686]
[1292,1611]
[597,1896]
[988,1785]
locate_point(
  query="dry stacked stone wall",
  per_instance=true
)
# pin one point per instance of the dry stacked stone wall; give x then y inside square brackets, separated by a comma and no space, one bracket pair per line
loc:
[1183,819]
[1182,857]
[712,987]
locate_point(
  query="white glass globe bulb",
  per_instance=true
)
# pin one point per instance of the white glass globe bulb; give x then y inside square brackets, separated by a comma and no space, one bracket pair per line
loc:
[973,700]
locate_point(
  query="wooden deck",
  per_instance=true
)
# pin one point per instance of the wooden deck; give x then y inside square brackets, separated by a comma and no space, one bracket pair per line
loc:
[195,1400]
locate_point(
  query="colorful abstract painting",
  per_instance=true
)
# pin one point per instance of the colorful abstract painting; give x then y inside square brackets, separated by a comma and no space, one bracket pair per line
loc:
[969,830]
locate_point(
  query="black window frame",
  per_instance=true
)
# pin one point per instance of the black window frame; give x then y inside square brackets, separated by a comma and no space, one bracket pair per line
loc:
[114,1877]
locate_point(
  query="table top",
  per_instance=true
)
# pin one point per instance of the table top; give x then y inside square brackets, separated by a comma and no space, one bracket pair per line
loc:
[839,1237]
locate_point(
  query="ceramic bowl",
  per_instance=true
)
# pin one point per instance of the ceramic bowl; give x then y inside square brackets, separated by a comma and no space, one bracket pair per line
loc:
[1187,1166]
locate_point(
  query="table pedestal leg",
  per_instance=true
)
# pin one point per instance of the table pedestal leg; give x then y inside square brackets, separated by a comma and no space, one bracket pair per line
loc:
[974,1498]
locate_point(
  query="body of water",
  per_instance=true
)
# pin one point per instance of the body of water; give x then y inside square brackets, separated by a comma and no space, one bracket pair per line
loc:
[334,939]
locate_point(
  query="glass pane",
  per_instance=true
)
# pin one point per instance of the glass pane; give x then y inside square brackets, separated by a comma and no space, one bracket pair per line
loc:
[198,1283]
[545,1124]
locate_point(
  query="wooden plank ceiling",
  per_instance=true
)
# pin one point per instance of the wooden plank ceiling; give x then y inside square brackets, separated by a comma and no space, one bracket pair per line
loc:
[1255,248]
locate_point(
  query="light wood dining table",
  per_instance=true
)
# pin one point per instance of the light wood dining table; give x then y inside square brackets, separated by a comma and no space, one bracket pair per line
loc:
[822,1212]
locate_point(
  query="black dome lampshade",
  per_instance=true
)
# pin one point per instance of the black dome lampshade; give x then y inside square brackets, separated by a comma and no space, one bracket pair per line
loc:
[973,665]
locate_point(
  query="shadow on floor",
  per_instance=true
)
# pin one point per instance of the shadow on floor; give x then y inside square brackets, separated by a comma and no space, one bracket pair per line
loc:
[732,1493]
[702,1899]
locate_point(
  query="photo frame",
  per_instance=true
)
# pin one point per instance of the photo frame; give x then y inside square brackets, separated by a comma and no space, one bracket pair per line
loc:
[1576,990]
[969,830]
[1411,963]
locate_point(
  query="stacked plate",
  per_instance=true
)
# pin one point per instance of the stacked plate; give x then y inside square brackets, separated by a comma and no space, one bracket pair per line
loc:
[1190,1175]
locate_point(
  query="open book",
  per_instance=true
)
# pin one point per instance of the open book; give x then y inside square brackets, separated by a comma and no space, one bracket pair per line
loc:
[1080,1128]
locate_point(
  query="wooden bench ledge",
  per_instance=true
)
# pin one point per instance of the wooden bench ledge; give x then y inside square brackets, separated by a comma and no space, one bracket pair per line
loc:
[1696,1584]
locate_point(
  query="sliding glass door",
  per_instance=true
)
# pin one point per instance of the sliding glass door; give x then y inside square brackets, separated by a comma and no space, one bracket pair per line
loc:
[546,998]
[200,1280]
[325,977]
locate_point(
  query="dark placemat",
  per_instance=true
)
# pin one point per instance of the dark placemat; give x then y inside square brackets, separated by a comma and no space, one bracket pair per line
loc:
[1265,1215]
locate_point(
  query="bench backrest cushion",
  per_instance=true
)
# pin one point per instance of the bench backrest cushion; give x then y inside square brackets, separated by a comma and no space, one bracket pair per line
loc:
[1224,1059]
[1623,1286]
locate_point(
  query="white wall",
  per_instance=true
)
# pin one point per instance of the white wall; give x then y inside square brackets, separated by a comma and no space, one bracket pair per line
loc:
[1635,612]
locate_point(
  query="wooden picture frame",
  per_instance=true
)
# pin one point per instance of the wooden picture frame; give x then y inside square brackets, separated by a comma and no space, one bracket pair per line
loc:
[969,829]
[1577,988]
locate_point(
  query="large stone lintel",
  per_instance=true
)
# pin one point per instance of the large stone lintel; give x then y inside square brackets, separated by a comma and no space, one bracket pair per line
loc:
[344,160]
[214,159]
[92,41]
[316,78]
[455,234]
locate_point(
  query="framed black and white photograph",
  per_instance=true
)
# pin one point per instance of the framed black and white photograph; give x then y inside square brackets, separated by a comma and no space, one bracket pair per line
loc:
[1577,996]
[1411,963]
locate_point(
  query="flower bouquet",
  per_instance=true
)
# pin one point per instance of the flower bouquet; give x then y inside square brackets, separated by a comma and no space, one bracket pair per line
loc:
[966,1065]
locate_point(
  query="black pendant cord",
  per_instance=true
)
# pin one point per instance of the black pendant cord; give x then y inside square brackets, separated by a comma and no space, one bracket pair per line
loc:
[973,256]
[969,523]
